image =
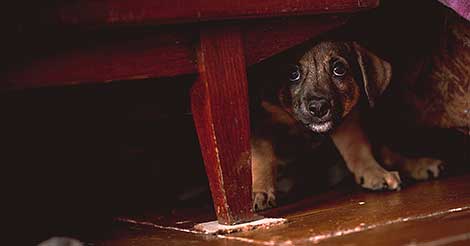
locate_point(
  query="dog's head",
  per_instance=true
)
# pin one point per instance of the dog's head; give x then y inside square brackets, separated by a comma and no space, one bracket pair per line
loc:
[328,81]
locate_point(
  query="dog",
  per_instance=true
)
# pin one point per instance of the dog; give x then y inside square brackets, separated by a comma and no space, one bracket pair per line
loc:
[439,89]
[322,95]
[432,85]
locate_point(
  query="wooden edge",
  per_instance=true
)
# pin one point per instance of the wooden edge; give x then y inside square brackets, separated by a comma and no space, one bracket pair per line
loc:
[158,54]
[99,14]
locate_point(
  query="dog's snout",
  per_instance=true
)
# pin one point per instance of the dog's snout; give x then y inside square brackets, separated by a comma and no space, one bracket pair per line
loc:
[319,108]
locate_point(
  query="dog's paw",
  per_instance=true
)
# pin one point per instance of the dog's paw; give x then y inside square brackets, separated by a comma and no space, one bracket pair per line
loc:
[263,200]
[379,179]
[423,168]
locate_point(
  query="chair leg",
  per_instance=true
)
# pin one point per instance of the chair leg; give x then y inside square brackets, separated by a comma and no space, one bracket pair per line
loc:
[219,101]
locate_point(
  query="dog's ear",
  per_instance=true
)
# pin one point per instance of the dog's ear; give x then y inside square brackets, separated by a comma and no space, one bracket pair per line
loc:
[376,73]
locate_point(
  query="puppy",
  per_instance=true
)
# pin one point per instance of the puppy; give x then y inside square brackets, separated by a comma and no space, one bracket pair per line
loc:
[439,89]
[320,95]
[434,92]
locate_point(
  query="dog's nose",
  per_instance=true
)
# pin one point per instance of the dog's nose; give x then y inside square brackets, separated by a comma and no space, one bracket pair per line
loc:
[319,108]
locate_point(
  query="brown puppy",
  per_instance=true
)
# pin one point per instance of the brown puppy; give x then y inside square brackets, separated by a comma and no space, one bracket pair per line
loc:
[320,95]
[439,89]
[435,91]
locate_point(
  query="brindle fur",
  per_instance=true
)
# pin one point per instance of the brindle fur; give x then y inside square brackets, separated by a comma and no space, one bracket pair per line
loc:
[440,96]
[436,93]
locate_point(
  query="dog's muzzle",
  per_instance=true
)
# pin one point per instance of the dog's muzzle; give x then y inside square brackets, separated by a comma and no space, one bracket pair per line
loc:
[320,112]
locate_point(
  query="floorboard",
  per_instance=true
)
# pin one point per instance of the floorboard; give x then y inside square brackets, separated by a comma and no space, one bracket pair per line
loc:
[426,213]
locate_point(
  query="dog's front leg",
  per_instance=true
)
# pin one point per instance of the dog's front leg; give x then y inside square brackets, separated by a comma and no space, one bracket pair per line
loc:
[263,166]
[356,150]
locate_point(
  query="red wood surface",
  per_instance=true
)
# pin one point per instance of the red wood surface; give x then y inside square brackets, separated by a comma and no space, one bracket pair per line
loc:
[262,39]
[160,53]
[155,55]
[91,13]
[219,102]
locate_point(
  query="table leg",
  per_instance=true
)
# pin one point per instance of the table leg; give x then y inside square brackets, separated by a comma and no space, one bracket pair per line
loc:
[219,101]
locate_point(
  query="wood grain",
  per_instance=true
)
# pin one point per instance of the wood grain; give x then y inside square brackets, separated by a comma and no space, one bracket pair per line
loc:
[95,59]
[263,39]
[87,13]
[352,215]
[220,108]
[426,213]
[161,53]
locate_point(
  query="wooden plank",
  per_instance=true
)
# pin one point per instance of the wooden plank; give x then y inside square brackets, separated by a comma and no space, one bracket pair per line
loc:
[426,213]
[160,53]
[347,214]
[449,228]
[91,61]
[263,39]
[90,13]
[219,102]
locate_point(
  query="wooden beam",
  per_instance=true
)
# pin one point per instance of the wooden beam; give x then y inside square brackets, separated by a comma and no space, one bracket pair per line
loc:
[163,53]
[88,13]
[219,102]
[102,61]
[263,39]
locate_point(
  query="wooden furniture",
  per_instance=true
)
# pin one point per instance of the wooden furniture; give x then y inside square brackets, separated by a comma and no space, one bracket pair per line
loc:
[424,213]
[88,41]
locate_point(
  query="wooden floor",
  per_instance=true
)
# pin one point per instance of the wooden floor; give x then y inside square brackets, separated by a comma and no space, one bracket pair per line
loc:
[427,213]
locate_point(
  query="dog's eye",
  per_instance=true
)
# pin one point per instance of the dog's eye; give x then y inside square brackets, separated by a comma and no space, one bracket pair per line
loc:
[294,73]
[339,69]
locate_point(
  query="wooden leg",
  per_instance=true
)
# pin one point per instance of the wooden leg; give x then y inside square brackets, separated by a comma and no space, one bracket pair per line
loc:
[219,101]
